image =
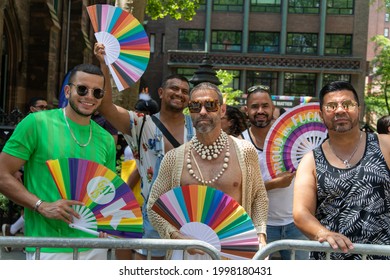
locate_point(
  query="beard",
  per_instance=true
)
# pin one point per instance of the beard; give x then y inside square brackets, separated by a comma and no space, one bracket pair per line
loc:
[342,127]
[204,127]
[261,123]
[74,107]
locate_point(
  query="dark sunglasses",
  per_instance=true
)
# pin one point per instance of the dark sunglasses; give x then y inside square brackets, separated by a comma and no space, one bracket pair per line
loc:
[83,91]
[257,88]
[41,107]
[209,105]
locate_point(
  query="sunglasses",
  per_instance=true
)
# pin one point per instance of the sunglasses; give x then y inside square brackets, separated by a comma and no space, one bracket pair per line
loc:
[209,105]
[347,105]
[257,88]
[41,107]
[83,91]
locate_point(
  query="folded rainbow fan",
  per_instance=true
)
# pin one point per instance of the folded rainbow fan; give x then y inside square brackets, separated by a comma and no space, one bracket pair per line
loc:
[125,40]
[109,203]
[210,215]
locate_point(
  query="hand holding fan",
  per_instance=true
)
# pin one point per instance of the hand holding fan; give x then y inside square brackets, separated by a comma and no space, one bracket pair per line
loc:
[125,40]
[292,135]
[109,203]
[210,215]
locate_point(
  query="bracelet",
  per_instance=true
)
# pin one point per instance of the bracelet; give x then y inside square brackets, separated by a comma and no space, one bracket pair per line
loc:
[39,202]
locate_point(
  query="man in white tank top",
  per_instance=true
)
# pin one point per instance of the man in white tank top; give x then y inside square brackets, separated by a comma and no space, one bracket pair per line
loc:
[280,190]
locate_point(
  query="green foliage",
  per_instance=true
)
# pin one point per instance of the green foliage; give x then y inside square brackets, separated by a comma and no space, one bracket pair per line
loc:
[230,95]
[176,9]
[3,203]
[378,100]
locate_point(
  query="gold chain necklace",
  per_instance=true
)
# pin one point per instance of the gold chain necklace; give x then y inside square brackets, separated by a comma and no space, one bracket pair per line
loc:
[346,161]
[73,136]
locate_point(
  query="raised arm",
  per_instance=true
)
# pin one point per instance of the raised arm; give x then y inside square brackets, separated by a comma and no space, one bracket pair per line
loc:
[119,117]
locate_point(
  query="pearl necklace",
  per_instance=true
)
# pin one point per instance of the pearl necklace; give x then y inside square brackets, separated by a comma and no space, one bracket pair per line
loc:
[346,161]
[74,137]
[200,179]
[212,151]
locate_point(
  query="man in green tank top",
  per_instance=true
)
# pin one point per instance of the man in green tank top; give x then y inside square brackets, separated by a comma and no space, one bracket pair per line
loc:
[56,134]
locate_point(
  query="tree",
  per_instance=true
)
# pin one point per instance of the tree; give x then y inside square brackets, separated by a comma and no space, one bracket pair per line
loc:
[379,101]
[230,95]
[176,9]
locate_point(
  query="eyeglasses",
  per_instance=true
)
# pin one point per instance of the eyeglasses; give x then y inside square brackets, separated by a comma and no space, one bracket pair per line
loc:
[348,105]
[83,91]
[256,88]
[41,107]
[209,105]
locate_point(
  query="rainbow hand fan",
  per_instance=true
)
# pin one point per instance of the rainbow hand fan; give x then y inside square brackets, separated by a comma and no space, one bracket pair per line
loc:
[291,136]
[210,215]
[109,203]
[125,40]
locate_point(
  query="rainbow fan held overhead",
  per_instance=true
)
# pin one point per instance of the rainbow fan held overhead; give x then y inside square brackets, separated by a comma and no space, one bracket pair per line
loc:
[125,40]
[212,216]
[109,203]
[292,135]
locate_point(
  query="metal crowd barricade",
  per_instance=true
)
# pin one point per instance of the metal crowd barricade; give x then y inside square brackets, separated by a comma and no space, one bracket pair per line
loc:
[108,243]
[315,246]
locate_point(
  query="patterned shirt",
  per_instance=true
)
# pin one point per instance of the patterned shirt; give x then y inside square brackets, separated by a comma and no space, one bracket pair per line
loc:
[151,145]
[355,201]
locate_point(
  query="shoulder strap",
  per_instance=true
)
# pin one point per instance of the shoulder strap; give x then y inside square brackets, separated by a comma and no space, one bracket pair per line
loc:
[165,131]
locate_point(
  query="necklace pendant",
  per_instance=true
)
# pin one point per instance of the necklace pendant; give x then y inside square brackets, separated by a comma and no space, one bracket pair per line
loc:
[346,163]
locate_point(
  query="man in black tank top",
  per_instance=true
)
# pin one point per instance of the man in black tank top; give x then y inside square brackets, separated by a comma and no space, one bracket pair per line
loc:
[342,188]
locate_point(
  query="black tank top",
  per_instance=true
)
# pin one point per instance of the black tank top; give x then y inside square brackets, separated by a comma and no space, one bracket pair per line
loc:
[355,201]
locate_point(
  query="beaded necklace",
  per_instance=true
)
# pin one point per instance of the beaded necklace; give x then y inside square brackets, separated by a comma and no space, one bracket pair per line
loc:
[190,156]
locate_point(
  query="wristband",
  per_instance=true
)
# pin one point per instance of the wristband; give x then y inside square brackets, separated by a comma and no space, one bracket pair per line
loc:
[39,202]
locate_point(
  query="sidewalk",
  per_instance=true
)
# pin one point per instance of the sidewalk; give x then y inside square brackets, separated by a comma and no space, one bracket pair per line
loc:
[15,254]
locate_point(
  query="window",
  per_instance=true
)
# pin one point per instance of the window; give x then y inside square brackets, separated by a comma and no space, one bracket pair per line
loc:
[300,84]
[202,5]
[226,41]
[302,43]
[304,6]
[228,5]
[386,32]
[152,42]
[338,44]
[387,17]
[186,72]
[191,39]
[262,78]
[340,7]
[264,42]
[265,6]
[328,78]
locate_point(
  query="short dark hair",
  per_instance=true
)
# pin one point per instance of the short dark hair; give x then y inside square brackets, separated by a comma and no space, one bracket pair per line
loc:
[337,86]
[383,124]
[86,68]
[174,76]
[32,102]
[238,118]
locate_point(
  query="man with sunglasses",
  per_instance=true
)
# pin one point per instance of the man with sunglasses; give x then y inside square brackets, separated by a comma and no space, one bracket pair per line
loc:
[214,159]
[342,188]
[280,225]
[37,104]
[56,134]
[141,132]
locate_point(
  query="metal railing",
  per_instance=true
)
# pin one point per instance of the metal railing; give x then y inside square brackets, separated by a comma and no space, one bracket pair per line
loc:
[108,243]
[314,246]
